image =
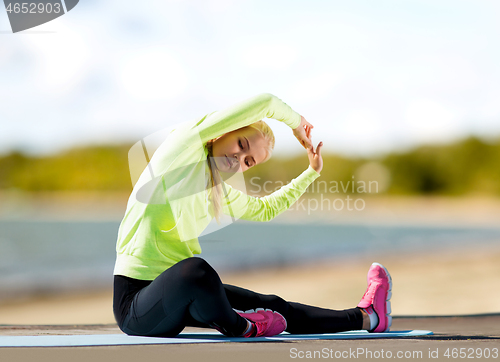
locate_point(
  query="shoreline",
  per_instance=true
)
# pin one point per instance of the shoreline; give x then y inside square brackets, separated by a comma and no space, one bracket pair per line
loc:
[480,211]
[459,282]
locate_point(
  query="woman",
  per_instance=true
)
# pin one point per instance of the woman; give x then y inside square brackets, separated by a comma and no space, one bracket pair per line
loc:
[160,287]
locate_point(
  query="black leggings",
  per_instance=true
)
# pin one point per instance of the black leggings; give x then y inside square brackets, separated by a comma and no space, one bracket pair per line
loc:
[190,293]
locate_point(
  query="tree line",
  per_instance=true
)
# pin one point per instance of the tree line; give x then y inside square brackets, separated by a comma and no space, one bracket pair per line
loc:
[469,166]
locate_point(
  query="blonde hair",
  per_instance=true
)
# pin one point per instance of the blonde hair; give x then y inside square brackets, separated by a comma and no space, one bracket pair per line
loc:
[215,186]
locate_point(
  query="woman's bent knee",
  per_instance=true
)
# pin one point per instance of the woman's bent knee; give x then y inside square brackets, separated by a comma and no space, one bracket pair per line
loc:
[193,270]
[195,263]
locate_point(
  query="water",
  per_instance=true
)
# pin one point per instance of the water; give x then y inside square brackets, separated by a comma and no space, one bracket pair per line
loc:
[54,256]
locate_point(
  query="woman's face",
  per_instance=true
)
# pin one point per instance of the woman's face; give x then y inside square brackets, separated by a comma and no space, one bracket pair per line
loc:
[239,150]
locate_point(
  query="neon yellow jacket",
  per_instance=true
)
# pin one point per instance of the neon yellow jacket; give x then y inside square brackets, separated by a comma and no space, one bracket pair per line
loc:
[169,207]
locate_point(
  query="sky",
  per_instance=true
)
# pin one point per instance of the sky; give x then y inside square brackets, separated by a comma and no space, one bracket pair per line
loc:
[371,76]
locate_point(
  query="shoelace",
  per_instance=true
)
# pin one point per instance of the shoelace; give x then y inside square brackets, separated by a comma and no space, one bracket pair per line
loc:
[371,289]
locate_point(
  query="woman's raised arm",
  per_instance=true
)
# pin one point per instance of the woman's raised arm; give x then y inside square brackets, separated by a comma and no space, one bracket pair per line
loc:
[245,113]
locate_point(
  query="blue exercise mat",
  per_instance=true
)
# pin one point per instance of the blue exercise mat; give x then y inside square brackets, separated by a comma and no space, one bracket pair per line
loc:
[200,337]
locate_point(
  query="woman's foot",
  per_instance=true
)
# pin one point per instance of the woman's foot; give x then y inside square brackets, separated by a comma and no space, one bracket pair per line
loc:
[376,300]
[265,322]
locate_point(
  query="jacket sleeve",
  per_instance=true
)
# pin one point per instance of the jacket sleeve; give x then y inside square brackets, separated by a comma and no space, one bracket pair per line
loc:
[244,113]
[242,206]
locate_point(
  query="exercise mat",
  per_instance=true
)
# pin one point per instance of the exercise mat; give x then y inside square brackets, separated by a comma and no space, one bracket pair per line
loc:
[199,337]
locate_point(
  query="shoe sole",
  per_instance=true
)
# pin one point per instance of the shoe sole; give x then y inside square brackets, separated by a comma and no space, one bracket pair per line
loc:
[387,299]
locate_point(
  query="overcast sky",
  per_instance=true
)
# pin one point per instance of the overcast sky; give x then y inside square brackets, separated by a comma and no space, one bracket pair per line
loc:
[371,76]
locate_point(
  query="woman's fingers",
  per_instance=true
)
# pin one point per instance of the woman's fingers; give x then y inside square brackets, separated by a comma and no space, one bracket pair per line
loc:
[304,123]
[303,134]
[307,141]
[318,148]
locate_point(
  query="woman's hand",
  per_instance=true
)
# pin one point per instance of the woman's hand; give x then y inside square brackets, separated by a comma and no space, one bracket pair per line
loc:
[315,159]
[303,132]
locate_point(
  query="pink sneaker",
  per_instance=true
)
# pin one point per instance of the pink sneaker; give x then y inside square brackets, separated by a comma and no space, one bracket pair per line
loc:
[378,294]
[267,323]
